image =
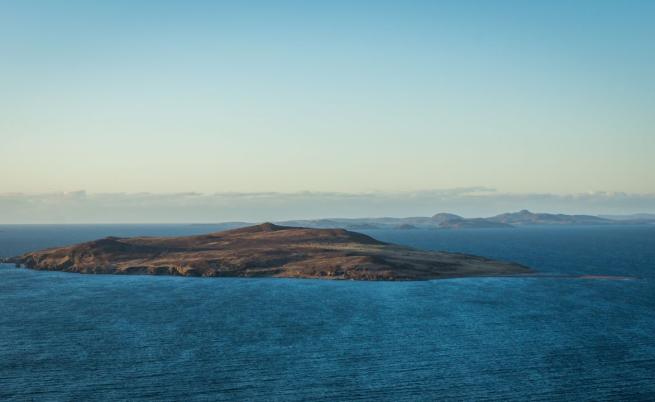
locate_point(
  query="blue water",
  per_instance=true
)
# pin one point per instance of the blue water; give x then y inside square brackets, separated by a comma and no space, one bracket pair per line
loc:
[96,337]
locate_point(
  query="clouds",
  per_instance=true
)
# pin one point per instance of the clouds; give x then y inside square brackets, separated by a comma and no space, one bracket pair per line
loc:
[82,207]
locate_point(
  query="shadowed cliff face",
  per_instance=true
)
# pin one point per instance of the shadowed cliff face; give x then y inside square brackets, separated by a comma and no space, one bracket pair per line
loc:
[264,250]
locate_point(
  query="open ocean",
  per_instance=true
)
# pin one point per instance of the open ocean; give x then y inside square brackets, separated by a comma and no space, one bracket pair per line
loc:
[100,337]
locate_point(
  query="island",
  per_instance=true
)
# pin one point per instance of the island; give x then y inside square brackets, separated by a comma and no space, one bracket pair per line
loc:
[525,217]
[444,220]
[264,250]
[438,221]
[452,221]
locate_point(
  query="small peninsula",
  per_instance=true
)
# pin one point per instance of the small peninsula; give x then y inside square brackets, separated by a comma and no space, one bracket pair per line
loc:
[264,250]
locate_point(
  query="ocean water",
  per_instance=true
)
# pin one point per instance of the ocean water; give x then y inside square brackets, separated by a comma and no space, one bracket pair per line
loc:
[101,337]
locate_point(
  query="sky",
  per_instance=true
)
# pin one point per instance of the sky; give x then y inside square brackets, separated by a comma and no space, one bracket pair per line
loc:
[347,97]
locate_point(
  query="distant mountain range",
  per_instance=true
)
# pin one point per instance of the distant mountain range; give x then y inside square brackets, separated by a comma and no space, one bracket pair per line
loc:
[452,221]
[438,221]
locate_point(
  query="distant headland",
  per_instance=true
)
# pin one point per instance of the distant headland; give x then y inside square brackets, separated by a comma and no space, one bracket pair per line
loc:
[265,250]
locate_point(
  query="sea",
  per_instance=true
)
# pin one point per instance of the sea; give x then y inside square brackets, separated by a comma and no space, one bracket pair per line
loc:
[582,329]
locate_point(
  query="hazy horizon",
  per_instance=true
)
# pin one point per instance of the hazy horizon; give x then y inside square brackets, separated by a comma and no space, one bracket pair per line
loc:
[83,207]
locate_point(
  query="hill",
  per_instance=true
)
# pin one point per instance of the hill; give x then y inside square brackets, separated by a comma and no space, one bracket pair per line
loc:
[265,250]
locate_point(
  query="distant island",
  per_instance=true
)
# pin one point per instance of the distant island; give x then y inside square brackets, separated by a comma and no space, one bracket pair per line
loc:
[526,217]
[452,221]
[265,250]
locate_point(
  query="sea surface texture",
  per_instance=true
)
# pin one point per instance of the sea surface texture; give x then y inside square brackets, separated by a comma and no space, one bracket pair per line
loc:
[551,337]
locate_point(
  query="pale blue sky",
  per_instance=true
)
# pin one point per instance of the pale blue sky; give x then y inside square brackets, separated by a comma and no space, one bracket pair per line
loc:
[353,96]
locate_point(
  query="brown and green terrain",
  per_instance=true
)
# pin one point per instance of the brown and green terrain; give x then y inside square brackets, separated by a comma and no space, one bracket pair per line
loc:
[265,250]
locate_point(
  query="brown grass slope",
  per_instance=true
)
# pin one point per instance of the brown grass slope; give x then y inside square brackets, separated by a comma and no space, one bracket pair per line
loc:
[265,250]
